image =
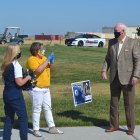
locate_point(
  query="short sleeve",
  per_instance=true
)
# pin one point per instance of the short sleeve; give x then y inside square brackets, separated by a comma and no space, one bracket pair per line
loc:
[17,69]
[34,62]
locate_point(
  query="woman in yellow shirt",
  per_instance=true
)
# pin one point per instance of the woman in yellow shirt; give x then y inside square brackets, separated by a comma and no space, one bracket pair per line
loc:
[40,95]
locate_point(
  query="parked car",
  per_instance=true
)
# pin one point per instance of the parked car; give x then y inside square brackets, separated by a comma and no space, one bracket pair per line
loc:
[86,40]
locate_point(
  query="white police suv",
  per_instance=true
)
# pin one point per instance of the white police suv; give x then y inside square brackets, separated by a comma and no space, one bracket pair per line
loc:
[86,40]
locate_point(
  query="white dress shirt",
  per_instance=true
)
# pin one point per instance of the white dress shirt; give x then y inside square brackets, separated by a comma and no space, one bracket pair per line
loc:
[121,45]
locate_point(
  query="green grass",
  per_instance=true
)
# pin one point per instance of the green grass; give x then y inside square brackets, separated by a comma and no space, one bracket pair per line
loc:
[74,64]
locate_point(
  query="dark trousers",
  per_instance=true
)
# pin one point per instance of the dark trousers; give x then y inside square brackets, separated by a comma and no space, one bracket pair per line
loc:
[129,98]
[11,107]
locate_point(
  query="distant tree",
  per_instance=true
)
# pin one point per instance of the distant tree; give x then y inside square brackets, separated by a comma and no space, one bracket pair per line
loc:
[138,31]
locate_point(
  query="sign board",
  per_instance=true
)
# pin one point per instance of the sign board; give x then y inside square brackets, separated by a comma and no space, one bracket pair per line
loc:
[81,92]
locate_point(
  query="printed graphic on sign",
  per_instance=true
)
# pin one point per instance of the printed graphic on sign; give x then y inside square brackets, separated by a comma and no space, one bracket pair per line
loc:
[81,92]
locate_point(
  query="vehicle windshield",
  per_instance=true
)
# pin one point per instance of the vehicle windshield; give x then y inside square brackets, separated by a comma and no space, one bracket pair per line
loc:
[80,36]
[11,31]
[87,36]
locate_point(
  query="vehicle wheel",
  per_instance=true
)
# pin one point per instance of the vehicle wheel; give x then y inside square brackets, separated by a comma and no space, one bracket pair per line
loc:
[68,43]
[101,44]
[3,42]
[20,42]
[80,43]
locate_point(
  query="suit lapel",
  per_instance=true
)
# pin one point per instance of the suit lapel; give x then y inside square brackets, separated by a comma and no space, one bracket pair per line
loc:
[116,46]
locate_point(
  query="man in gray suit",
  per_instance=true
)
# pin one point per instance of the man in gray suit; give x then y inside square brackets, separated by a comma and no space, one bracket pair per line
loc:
[123,60]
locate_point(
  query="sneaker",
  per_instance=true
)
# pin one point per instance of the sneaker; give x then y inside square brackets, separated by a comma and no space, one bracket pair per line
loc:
[54,130]
[37,133]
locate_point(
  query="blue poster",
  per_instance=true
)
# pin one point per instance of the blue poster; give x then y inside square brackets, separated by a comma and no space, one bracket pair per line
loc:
[81,92]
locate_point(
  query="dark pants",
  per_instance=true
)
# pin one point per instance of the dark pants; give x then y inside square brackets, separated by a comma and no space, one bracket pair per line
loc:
[129,98]
[11,107]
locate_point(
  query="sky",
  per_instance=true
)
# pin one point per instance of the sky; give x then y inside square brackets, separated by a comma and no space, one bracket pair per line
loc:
[35,17]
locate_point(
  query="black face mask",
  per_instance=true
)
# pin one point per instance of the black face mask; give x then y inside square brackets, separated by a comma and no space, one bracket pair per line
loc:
[117,34]
[18,56]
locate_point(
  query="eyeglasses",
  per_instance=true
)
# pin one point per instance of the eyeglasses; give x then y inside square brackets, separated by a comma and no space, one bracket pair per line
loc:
[42,49]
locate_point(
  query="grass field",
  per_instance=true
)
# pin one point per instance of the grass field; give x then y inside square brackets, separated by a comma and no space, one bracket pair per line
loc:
[73,64]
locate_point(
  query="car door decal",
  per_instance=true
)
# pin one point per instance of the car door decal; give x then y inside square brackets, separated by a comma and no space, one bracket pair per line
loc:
[91,41]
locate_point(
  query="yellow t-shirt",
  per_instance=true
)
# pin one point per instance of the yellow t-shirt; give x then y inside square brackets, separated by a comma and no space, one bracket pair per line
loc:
[43,79]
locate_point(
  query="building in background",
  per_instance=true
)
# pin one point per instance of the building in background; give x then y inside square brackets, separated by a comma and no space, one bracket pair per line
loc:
[131,31]
[48,37]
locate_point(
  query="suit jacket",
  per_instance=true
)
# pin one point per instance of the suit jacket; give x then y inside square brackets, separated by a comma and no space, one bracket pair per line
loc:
[127,64]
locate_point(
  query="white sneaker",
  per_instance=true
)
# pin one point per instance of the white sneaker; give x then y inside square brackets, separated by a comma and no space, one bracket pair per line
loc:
[54,130]
[37,133]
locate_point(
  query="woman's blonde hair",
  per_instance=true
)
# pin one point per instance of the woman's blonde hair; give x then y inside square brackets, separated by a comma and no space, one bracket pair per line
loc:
[12,50]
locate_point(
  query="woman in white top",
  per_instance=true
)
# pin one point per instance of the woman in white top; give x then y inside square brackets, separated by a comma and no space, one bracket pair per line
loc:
[12,93]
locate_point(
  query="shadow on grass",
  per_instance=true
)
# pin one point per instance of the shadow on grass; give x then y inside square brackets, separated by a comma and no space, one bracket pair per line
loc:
[2,119]
[79,115]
